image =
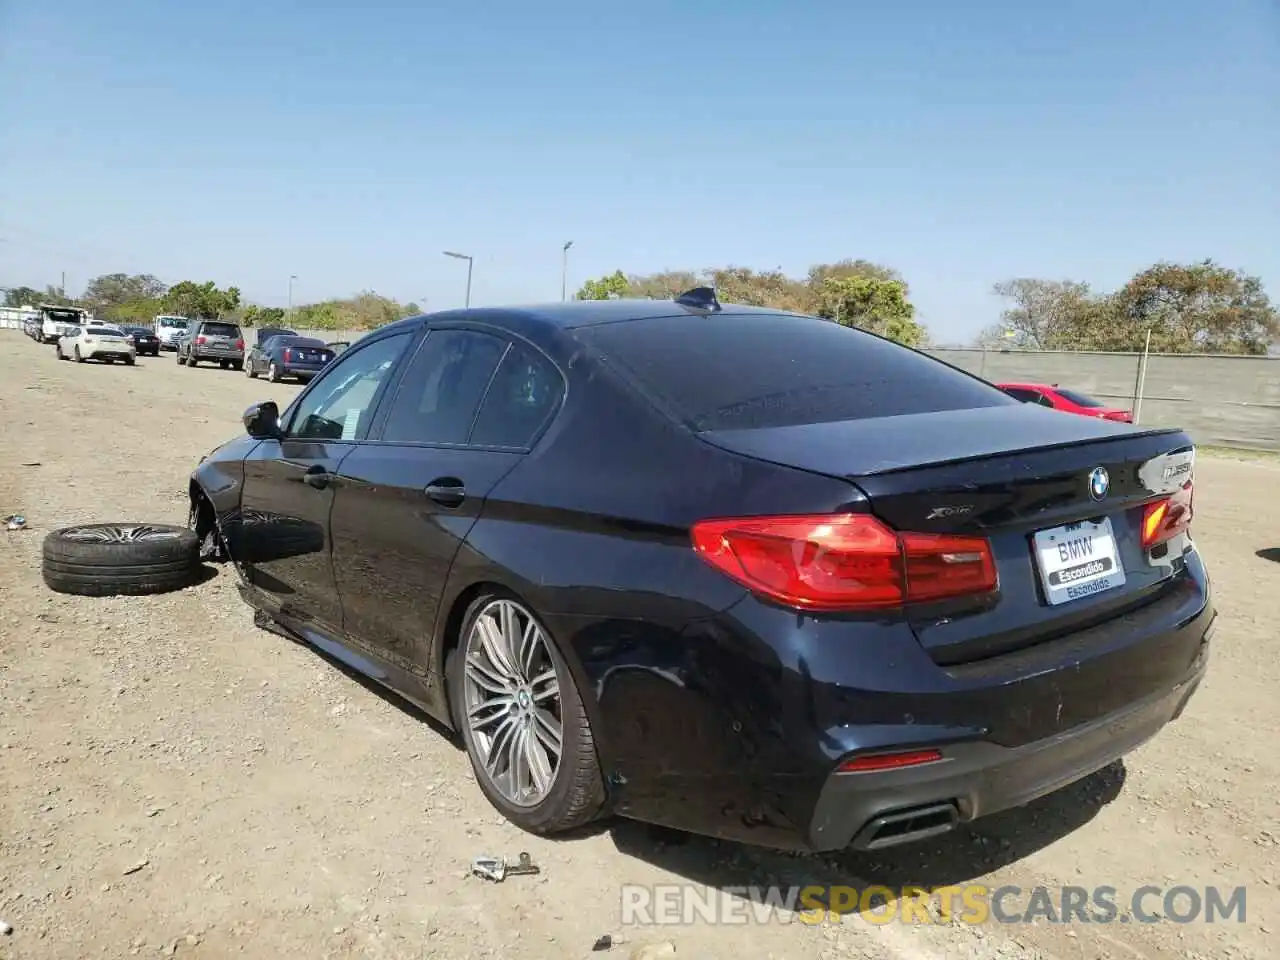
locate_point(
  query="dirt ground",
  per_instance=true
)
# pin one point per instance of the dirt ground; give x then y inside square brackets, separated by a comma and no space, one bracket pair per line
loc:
[175,782]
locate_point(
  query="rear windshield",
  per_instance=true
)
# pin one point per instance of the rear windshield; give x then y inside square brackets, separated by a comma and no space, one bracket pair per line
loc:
[745,371]
[1079,399]
[220,330]
[105,331]
[309,343]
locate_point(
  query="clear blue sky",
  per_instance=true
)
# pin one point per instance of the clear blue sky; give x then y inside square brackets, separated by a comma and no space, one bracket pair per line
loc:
[351,143]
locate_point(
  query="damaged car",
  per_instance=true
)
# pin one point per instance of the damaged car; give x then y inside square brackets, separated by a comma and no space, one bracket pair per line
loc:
[740,572]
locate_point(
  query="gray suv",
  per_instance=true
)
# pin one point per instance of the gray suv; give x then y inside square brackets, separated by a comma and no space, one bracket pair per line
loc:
[213,340]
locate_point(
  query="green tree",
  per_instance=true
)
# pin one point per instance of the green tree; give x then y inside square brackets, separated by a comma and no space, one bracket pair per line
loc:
[132,311]
[113,289]
[607,287]
[1045,314]
[874,304]
[844,269]
[769,288]
[203,300]
[666,285]
[22,297]
[1193,308]
[256,316]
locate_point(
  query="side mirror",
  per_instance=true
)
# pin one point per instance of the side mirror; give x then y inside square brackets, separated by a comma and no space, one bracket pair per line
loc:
[262,420]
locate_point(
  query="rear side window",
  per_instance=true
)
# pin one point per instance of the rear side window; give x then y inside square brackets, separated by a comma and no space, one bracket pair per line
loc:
[745,371]
[442,388]
[524,394]
[219,330]
[1079,399]
[1025,396]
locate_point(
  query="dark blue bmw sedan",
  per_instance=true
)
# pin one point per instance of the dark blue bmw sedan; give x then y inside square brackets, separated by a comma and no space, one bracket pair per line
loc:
[745,573]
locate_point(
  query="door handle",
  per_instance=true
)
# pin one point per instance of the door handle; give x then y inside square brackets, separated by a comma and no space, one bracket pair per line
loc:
[446,491]
[317,477]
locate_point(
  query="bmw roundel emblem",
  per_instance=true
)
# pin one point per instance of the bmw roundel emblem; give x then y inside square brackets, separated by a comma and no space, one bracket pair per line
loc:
[1099,483]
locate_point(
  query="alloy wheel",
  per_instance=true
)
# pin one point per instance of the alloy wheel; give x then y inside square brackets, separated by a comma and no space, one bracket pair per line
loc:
[118,533]
[511,702]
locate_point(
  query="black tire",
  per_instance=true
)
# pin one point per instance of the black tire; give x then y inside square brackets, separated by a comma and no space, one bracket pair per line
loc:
[129,361]
[178,357]
[79,359]
[238,364]
[191,360]
[224,364]
[249,371]
[577,794]
[273,372]
[120,559]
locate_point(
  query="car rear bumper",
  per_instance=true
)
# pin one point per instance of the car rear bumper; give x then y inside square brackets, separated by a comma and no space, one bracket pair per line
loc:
[869,811]
[736,727]
[301,369]
[204,353]
[107,353]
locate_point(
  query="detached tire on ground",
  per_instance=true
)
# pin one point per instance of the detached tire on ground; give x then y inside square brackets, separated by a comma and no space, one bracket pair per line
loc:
[120,559]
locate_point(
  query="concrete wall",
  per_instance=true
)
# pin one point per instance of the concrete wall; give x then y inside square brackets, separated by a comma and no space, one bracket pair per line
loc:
[1223,401]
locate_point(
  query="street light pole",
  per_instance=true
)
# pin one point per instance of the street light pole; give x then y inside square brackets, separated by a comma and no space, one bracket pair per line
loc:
[564,270]
[470,263]
[289,312]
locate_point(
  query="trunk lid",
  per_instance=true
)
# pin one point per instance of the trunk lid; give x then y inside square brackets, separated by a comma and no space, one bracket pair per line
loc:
[1020,476]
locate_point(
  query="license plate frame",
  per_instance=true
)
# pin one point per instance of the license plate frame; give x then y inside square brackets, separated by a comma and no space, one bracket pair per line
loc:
[1077,560]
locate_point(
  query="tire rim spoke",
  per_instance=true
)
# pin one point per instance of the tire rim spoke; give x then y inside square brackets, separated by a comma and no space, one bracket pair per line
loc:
[485,678]
[511,698]
[548,732]
[545,686]
[492,643]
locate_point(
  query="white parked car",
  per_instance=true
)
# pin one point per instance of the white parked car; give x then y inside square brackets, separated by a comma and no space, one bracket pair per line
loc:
[99,342]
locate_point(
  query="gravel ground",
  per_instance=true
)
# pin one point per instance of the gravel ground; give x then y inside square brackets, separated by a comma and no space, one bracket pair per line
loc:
[176,782]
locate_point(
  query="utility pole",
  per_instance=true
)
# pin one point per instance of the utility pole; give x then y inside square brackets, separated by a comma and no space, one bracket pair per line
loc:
[564,270]
[470,263]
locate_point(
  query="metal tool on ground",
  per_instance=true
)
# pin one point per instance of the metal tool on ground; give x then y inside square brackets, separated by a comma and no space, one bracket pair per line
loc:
[498,869]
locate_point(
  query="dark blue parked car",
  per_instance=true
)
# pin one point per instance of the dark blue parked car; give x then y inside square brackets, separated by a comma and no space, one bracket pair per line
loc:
[745,573]
[287,355]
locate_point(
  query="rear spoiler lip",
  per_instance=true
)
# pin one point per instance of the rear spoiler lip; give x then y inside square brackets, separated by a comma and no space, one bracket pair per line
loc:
[1037,448]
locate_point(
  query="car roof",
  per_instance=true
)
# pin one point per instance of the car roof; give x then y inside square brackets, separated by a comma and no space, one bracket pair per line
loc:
[574,314]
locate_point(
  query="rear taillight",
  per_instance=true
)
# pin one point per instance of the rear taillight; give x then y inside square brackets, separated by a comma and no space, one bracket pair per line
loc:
[288,354]
[201,340]
[1123,416]
[843,562]
[1164,519]
[239,344]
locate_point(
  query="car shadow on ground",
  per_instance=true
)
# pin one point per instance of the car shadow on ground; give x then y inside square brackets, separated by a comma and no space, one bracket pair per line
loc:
[967,853]
[964,855]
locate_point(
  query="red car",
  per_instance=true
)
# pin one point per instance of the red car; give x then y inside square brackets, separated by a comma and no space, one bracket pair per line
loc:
[1068,401]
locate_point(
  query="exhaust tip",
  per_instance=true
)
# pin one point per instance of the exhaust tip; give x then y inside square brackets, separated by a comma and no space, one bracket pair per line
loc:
[907,826]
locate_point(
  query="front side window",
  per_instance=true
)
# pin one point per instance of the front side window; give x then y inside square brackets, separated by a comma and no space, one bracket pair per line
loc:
[443,387]
[340,404]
